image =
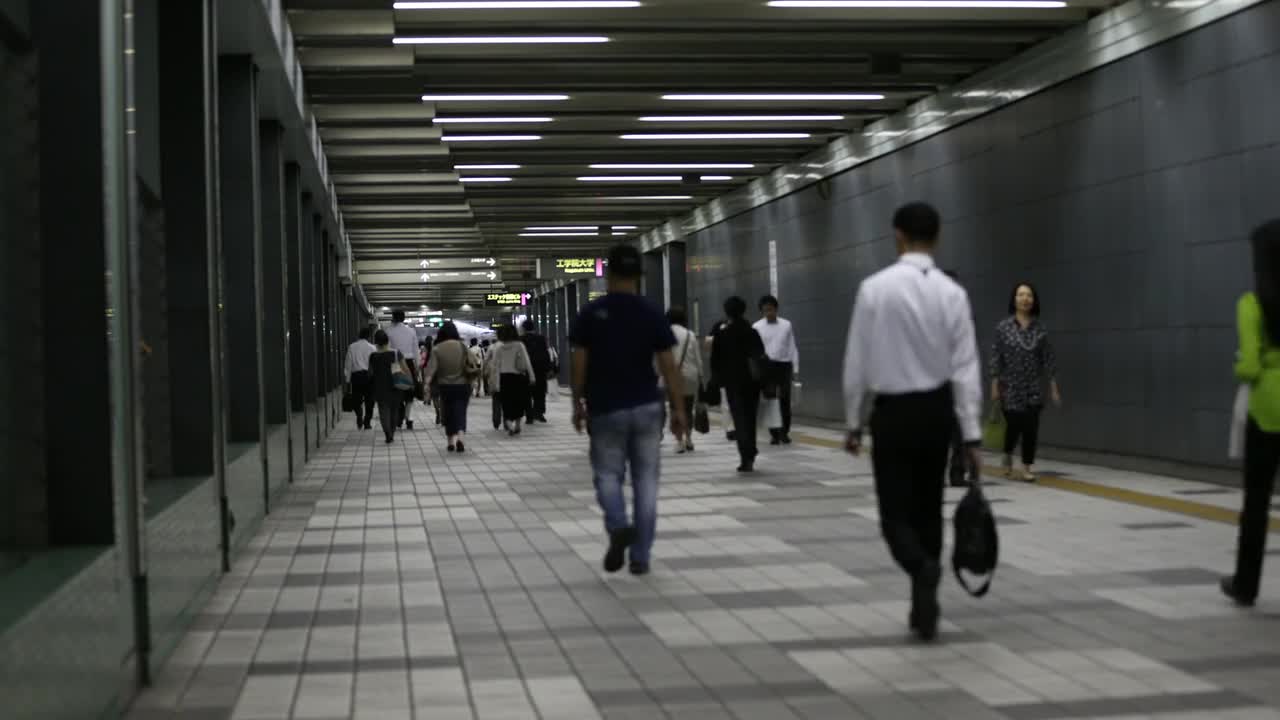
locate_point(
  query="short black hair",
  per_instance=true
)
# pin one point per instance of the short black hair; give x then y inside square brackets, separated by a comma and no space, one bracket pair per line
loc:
[768,300]
[448,331]
[507,333]
[366,332]
[625,262]
[397,315]
[735,307]
[677,316]
[1035,299]
[528,325]
[919,221]
[475,342]
[380,338]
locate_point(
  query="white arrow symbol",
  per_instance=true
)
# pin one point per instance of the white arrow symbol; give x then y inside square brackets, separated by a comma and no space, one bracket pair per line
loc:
[424,263]
[493,275]
[426,277]
[492,262]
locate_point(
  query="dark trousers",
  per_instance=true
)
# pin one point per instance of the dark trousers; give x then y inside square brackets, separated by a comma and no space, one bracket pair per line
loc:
[962,467]
[538,398]
[910,438]
[780,374]
[389,407]
[404,412]
[497,410]
[453,406]
[1022,425]
[362,390]
[744,405]
[1261,460]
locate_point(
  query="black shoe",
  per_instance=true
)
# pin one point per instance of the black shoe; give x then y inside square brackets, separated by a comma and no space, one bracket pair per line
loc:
[747,467]
[1228,585]
[786,439]
[461,448]
[775,441]
[731,436]
[924,601]
[390,439]
[959,481]
[639,568]
[453,448]
[409,424]
[619,541]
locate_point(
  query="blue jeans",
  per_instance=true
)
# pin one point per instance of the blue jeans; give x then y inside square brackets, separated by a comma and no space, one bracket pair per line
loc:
[622,437]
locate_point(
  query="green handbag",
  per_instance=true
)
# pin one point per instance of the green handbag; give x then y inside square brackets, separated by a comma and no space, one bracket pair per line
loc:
[993,430]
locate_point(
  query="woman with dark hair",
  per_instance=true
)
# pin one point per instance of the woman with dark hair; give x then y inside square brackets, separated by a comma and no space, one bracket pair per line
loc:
[1022,360]
[736,354]
[514,369]
[1258,366]
[450,369]
[383,364]
[689,363]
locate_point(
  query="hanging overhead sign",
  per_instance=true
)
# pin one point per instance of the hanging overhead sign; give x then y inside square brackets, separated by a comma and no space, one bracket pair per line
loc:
[432,276]
[507,299]
[368,267]
[571,268]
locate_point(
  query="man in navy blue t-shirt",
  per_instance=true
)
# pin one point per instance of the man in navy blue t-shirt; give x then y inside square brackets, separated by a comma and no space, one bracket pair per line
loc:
[616,395]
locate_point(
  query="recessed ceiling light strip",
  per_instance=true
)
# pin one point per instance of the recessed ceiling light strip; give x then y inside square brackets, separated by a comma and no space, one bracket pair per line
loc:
[500,40]
[775,97]
[740,118]
[489,120]
[672,166]
[484,179]
[486,167]
[490,138]
[630,178]
[718,136]
[516,4]
[922,4]
[505,97]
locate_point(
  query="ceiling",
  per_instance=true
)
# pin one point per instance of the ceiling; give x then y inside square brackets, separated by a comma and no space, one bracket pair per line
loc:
[403,195]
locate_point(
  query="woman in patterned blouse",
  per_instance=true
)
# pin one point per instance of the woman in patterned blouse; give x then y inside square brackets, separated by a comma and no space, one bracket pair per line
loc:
[1021,361]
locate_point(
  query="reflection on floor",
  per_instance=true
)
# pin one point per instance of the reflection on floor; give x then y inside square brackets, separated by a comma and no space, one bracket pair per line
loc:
[402,581]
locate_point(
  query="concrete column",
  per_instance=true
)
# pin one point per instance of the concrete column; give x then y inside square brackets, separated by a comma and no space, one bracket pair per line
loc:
[241,244]
[293,282]
[653,278]
[315,347]
[73,368]
[275,305]
[677,281]
[188,167]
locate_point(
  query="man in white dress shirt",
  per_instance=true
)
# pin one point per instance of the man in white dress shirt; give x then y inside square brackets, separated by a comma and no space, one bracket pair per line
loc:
[911,345]
[356,369]
[784,361]
[405,340]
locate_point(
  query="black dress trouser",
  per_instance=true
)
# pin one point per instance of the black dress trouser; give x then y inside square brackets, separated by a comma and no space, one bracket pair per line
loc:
[744,405]
[538,397]
[780,374]
[1022,426]
[362,390]
[1261,460]
[911,435]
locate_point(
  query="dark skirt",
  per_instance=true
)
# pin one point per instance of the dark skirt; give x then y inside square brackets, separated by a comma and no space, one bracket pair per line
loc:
[514,391]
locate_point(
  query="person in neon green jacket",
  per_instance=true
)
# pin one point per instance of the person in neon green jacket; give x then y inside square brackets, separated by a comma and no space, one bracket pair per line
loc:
[1258,365]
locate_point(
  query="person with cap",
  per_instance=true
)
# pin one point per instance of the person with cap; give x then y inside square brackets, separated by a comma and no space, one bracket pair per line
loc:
[615,339]
[911,345]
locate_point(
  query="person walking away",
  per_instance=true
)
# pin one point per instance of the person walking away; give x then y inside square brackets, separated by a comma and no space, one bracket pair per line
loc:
[727,417]
[1258,366]
[356,368]
[515,376]
[536,346]
[404,340]
[484,360]
[493,381]
[615,396]
[1022,359]
[784,362]
[961,470]
[911,344]
[450,371]
[689,361]
[382,365]
[477,359]
[737,357]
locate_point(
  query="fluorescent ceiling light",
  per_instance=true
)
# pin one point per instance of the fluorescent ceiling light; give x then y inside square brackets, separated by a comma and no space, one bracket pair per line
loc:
[777,97]
[499,40]
[651,197]
[486,167]
[1010,4]
[562,227]
[630,178]
[624,227]
[623,234]
[489,138]
[715,178]
[717,136]
[479,120]
[493,98]
[672,166]
[558,234]
[515,4]
[484,179]
[738,118]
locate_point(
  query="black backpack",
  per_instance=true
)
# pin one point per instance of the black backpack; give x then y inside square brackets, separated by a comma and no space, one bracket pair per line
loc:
[977,548]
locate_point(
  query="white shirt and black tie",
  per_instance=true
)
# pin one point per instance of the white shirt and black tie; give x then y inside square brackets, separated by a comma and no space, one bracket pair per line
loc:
[911,345]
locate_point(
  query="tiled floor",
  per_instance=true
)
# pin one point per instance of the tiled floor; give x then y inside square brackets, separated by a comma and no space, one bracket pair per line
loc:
[402,582]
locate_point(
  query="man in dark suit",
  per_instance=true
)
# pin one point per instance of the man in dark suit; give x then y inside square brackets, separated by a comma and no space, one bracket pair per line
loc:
[540,356]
